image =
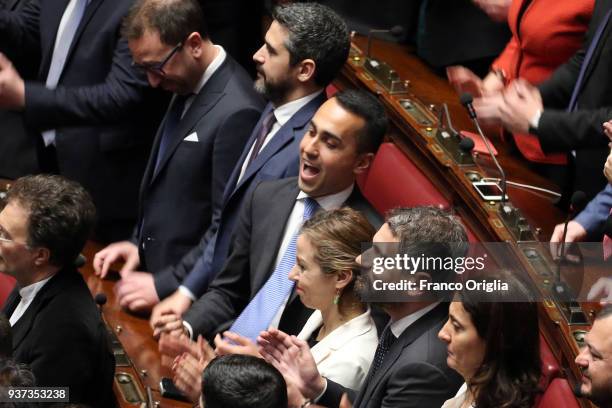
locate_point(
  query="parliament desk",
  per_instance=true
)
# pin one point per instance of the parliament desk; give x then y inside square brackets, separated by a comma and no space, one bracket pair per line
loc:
[140,364]
[414,98]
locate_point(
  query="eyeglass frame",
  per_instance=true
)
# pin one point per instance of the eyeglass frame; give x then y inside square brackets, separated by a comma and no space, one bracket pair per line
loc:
[158,69]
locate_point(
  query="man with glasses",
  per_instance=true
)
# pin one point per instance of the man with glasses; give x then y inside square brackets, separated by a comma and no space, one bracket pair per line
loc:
[56,326]
[197,145]
[90,114]
[304,49]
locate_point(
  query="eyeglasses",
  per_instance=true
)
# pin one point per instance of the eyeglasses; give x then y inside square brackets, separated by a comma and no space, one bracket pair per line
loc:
[158,68]
[5,240]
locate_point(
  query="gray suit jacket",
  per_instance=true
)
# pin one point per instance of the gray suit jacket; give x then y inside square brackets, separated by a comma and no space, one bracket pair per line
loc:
[256,241]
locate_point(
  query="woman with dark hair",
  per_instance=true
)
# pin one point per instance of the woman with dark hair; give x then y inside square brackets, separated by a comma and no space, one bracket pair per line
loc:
[493,342]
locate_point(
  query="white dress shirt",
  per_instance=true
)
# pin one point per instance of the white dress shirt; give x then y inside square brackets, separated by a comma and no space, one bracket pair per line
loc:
[210,70]
[294,223]
[27,293]
[282,114]
[399,326]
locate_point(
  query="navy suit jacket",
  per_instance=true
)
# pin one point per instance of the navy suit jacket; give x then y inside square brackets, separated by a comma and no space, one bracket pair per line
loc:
[279,159]
[103,109]
[581,130]
[257,239]
[62,338]
[178,198]
[594,216]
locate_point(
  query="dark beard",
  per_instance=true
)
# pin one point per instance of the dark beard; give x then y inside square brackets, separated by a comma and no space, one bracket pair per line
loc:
[273,92]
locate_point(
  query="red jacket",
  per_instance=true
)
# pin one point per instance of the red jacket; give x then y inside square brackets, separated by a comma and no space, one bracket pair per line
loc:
[550,32]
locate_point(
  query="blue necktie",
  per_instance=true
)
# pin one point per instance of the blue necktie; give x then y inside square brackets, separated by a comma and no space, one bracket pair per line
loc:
[170,124]
[587,60]
[76,10]
[259,313]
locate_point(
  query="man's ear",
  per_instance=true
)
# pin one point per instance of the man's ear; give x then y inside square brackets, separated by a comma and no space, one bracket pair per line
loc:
[194,44]
[363,163]
[41,256]
[306,70]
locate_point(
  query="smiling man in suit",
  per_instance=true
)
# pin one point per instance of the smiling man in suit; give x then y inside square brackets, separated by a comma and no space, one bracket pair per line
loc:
[253,291]
[305,47]
[197,145]
[57,329]
[409,367]
[90,114]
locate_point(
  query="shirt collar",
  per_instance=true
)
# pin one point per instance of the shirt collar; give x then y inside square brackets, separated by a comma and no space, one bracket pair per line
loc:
[212,67]
[399,326]
[30,291]
[284,112]
[331,201]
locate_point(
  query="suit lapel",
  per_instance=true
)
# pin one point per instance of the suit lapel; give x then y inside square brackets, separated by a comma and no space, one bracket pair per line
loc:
[204,101]
[48,34]
[284,136]
[600,46]
[90,10]
[409,335]
[280,208]
[51,288]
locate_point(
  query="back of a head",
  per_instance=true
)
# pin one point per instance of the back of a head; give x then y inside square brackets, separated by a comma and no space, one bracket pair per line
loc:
[316,32]
[507,321]
[13,374]
[367,107]
[240,381]
[174,20]
[429,232]
[6,339]
[61,214]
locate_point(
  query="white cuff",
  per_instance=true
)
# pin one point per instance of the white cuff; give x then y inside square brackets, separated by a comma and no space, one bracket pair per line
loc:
[185,291]
[534,122]
[188,327]
[322,393]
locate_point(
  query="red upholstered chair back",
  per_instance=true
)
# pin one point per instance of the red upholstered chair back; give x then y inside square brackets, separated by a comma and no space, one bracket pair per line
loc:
[559,394]
[395,181]
[6,286]
[550,365]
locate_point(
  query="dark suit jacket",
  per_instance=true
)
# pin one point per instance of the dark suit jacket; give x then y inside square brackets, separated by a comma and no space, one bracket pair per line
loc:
[581,130]
[456,32]
[177,201]
[17,147]
[413,374]
[103,109]
[62,338]
[279,159]
[250,263]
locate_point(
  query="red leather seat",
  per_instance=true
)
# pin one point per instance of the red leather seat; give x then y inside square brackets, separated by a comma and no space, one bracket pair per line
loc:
[6,286]
[559,394]
[550,365]
[395,181]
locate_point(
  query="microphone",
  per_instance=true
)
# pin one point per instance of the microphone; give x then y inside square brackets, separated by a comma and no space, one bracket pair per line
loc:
[396,31]
[100,300]
[577,389]
[466,100]
[466,145]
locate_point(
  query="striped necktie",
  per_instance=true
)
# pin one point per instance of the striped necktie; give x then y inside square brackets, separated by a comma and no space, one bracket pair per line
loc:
[259,313]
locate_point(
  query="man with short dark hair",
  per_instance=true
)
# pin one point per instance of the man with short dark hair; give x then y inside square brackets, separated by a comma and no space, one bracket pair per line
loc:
[56,325]
[252,292]
[409,367]
[197,145]
[305,47]
[595,361]
[239,381]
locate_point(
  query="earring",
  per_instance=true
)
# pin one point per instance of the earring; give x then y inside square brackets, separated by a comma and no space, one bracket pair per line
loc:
[337,297]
